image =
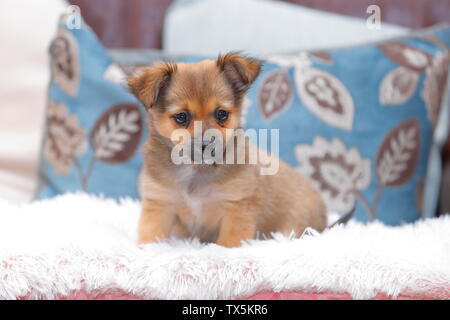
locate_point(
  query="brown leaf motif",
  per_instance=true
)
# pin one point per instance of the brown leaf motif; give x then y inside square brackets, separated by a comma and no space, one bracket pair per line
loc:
[65,139]
[406,56]
[398,154]
[398,86]
[117,133]
[64,62]
[275,94]
[325,96]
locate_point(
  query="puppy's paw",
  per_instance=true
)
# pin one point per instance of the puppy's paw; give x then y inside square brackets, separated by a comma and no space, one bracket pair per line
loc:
[229,243]
[147,238]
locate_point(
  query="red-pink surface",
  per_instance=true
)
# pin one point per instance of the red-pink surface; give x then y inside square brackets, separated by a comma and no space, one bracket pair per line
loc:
[315,296]
[120,295]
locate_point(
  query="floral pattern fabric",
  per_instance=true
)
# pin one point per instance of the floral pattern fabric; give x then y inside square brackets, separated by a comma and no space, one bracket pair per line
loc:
[360,121]
[94,126]
[357,122]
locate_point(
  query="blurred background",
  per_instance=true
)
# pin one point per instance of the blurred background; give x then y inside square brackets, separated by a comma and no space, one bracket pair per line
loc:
[175,27]
[140,23]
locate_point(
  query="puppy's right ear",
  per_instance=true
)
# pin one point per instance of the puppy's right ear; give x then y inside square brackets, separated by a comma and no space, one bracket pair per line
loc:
[151,83]
[239,70]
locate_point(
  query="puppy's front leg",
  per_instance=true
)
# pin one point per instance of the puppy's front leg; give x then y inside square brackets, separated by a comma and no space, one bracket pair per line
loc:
[155,222]
[237,225]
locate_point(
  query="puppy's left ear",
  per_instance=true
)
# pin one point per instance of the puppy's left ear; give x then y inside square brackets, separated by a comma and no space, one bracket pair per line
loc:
[240,71]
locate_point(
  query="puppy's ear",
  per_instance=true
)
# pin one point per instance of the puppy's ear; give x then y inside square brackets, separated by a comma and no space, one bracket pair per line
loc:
[240,71]
[151,83]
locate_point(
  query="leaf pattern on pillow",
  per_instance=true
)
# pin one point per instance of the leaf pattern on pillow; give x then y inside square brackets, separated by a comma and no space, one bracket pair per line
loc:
[338,172]
[406,56]
[398,154]
[117,133]
[341,174]
[326,97]
[114,138]
[275,94]
[64,63]
[398,86]
[65,140]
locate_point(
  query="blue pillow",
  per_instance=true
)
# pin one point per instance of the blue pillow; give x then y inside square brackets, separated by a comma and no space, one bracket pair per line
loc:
[358,122]
[94,126]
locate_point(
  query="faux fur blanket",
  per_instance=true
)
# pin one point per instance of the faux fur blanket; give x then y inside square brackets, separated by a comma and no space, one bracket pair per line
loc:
[78,242]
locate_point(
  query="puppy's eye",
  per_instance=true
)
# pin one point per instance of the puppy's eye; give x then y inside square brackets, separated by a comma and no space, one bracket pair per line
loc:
[182,118]
[221,115]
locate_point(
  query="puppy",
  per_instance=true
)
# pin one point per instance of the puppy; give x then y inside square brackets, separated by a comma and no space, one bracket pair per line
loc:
[222,203]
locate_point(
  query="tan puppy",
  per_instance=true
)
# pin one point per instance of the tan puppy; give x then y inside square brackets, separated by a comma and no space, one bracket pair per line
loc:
[222,203]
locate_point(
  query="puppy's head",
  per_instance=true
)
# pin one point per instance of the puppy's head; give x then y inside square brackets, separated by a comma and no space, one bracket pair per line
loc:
[210,92]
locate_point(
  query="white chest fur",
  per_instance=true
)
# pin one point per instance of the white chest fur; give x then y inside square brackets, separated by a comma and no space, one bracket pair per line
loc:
[195,203]
[196,194]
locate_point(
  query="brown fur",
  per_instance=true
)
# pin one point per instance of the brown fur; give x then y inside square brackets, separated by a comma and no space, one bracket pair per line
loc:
[222,203]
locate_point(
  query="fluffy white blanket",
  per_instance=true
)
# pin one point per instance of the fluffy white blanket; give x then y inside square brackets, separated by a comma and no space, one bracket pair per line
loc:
[79,242]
